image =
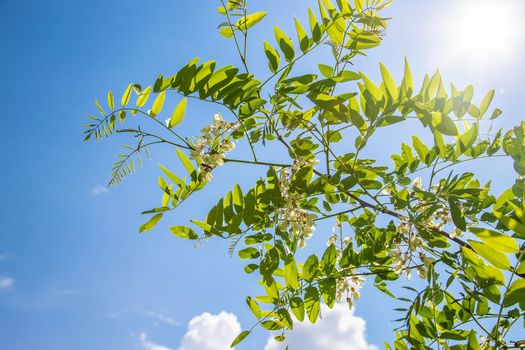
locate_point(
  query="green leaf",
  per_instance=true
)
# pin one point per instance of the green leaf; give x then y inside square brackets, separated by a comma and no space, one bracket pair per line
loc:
[99,107]
[326,71]
[177,180]
[143,97]
[158,103]
[511,224]
[187,163]
[457,215]
[249,253]
[420,147]
[520,214]
[304,42]
[151,223]
[407,85]
[495,257]
[466,140]
[184,232]
[297,307]
[285,318]
[273,57]
[271,325]
[250,20]
[111,100]
[237,197]
[486,102]
[178,113]
[310,268]
[444,124]
[497,240]
[473,341]
[314,26]
[270,262]
[240,338]
[328,290]
[440,144]
[226,31]
[254,307]
[126,96]
[496,113]
[515,294]
[285,44]
[329,259]
[312,303]
[390,84]
[290,274]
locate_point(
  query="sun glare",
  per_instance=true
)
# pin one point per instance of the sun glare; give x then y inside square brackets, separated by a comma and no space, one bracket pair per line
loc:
[483,32]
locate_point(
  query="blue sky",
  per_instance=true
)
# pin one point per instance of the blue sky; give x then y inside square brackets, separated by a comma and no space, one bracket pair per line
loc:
[76,274]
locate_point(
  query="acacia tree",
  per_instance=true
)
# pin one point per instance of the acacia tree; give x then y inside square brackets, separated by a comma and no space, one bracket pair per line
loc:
[464,242]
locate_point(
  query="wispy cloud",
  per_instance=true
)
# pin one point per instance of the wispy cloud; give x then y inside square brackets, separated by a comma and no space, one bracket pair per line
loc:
[147,344]
[340,329]
[6,283]
[156,316]
[98,190]
[4,256]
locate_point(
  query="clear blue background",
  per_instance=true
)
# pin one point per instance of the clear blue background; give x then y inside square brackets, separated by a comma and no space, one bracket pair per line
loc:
[85,279]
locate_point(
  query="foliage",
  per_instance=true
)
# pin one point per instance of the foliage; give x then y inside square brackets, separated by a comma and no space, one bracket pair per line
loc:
[464,242]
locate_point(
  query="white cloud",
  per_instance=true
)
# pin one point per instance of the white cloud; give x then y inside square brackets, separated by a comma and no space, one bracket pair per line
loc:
[98,190]
[211,332]
[339,329]
[6,283]
[147,344]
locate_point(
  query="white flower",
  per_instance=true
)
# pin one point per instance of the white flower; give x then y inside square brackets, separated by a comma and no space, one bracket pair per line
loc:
[417,183]
[209,150]
[217,118]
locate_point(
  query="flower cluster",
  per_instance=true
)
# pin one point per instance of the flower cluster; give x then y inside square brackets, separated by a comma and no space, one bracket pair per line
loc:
[348,287]
[209,150]
[414,246]
[294,219]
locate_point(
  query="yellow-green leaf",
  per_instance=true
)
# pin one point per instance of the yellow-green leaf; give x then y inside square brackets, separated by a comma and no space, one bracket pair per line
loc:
[285,44]
[495,257]
[497,240]
[187,163]
[111,100]
[240,338]
[178,113]
[511,224]
[158,103]
[515,294]
[304,42]
[273,57]
[151,223]
[297,307]
[254,307]
[226,32]
[314,26]
[143,97]
[250,20]
[466,140]
[290,274]
[389,82]
[126,96]
[99,107]
[184,232]
[444,124]
[326,71]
